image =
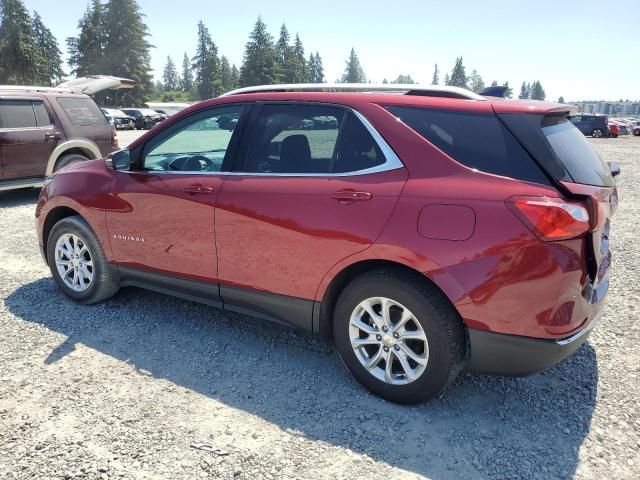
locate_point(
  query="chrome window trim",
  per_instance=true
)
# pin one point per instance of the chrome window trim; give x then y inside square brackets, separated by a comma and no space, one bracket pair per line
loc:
[392,161]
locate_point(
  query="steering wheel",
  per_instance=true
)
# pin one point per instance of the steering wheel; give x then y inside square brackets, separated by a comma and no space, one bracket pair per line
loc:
[209,165]
[180,163]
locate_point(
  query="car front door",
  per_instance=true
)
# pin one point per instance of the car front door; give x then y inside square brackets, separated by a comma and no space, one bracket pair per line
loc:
[311,187]
[161,212]
[27,137]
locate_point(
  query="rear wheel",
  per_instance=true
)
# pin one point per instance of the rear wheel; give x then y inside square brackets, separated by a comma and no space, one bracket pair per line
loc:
[65,160]
[597,133]
[398,336]
[77,262]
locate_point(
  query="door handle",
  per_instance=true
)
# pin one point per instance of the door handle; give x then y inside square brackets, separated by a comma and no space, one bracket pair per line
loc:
[349,196]
[51,137]
[197,189]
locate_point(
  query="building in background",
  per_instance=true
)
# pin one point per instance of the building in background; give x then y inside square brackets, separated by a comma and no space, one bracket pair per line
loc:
[608,108]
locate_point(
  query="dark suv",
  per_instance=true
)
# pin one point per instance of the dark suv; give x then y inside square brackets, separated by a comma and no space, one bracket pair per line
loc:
[144,118]
[418,230]
[589,124]
[45,129]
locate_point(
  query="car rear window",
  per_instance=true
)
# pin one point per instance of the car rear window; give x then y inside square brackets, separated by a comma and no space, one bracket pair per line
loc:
[477,140]
[575,152]
[560,148]
[82,112]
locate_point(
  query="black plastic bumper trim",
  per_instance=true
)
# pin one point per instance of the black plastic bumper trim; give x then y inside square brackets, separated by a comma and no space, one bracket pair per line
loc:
[512,355]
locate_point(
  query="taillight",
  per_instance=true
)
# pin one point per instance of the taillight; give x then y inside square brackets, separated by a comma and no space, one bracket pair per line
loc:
[551,218]
[114,136]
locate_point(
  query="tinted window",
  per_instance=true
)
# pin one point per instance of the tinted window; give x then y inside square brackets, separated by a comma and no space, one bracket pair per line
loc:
[477,140]
[570,146]
[199,144]
[42,116]
[17,114]
[82,112]
[317,139]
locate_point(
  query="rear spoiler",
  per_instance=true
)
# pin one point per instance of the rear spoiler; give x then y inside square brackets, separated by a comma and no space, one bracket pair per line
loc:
[494,91]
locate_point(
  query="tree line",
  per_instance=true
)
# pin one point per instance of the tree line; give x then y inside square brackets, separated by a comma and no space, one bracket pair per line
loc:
[113,39]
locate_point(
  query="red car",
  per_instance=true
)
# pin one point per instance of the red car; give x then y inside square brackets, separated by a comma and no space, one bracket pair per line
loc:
[421,229]
[614,130]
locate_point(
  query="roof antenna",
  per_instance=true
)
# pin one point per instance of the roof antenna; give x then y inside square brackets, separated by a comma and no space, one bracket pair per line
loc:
[495,91]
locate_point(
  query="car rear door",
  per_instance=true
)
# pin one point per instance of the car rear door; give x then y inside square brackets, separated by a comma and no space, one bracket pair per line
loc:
[312,186]
[27,137]
[160,216]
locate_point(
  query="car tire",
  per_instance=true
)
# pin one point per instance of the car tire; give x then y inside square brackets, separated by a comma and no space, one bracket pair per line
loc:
[432,316]
[66,160]
[597,133]
[74,235]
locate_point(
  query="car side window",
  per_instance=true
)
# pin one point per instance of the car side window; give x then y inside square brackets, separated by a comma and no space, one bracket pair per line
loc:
[310,139]
[198,145]
[576,119]
[42,115]
[17,114]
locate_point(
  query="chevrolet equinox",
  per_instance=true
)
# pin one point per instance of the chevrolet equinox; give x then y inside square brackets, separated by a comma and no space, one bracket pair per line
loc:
[421,229]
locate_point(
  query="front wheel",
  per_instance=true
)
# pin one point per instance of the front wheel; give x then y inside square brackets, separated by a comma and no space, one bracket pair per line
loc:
[68,160]
[398,336]
[597,133]
[78,264]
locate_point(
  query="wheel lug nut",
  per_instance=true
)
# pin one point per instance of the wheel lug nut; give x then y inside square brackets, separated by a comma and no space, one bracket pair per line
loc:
[385,329]
[396,348]
[379,337]
[396,335]
[385,348]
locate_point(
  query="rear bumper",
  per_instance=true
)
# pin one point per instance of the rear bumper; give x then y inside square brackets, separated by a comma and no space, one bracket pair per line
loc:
[513,355]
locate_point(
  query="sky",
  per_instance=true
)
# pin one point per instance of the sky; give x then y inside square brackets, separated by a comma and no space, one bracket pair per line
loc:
[580,49]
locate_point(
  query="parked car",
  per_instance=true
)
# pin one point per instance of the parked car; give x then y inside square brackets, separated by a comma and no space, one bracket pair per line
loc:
[162,113]
[595,125]
[614,130]
[120,120]
[144,118]
[636,131]
[419,231]
[621,127]
[45,129]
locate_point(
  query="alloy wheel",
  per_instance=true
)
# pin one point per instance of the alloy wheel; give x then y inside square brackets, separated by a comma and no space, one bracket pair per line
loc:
[74,262]
[388,341]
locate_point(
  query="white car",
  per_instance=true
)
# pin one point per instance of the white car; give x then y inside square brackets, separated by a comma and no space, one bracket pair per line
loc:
[119,119]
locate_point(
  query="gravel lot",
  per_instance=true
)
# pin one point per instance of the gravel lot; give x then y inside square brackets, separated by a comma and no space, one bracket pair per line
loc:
[125,388]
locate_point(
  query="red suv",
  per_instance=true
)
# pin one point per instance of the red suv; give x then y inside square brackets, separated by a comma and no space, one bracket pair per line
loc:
[420,229]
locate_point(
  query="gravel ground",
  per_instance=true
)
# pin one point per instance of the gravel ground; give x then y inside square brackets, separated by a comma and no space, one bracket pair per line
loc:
[126,388]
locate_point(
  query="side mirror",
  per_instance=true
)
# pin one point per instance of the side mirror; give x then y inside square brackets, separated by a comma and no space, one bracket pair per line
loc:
[615,169]
[120,160]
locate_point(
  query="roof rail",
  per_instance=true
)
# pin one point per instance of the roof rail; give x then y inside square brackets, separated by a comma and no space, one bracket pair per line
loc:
[406,89]
[26,88]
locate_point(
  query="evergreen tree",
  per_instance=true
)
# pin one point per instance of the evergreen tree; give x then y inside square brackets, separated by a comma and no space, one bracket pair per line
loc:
[226,75]
[494,83]
[50,67]
[235,76]
[475,82]
[385,81]
[560,99]
[458,76]
[436,76]
[126,49]
[447,79]
[186,82]
[20,54]
[537,92]
[404,79]
[298,68]
[316,71]
[508,93]
[353,72]
[206,64]
[171,81]
[284,52]
[87,50]
[260,65]
[524,91]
